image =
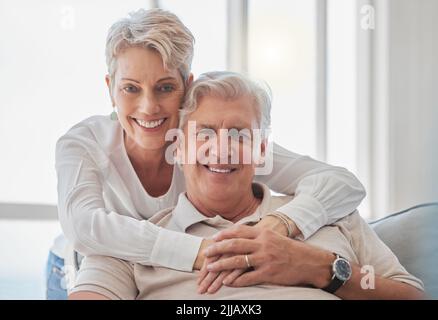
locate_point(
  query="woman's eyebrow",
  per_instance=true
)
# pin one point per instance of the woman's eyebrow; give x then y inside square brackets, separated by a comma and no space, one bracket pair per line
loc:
[162,79]
[167,78]
[129,79]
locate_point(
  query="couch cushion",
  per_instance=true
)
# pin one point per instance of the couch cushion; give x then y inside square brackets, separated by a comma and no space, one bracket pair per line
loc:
[412,235]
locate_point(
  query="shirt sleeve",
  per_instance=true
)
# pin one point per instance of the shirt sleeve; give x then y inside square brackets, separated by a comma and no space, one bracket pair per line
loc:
[373,253]
[94,230]
[322,193]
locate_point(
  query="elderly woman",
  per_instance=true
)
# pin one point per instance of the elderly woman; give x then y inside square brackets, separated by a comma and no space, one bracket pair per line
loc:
[220,193]
[112,173]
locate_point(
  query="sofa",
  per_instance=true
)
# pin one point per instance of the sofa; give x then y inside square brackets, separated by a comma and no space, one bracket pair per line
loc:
[412,234]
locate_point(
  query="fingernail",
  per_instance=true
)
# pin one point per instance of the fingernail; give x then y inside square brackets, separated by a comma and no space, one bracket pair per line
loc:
[216,236]
[225,282]
[210,267]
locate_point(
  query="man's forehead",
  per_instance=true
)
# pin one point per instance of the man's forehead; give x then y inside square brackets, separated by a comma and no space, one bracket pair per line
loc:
[213,112]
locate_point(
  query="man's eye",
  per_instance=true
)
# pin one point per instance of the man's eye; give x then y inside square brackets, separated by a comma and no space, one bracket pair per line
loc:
[203,133]
[166,88]
[239,135]
[131,89]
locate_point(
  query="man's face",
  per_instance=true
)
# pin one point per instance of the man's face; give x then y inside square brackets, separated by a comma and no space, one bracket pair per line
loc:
[218,176]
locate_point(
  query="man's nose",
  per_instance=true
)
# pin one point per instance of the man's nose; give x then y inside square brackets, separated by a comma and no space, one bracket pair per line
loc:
[223,150]
[149,103]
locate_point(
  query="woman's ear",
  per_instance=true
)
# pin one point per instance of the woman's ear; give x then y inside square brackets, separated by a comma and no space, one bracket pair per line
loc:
[109,85]
[189,80]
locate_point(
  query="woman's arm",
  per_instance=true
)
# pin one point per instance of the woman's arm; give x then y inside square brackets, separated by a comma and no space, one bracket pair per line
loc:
[322,193]
[94,230]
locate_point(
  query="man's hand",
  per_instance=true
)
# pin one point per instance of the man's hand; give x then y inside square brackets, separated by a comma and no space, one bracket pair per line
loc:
[211,282]
[275,259]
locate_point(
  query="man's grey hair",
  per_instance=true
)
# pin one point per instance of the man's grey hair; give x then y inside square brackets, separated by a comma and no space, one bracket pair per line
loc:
[156,29]
[228,86]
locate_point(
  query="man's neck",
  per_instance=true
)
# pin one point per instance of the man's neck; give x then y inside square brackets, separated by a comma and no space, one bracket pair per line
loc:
[233,209]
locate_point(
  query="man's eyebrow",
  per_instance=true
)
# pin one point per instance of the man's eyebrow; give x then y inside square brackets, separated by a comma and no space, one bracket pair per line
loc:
[206,126]
[237,127]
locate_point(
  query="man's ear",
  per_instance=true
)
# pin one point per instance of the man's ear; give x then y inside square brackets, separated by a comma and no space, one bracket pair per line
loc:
[263,147]
[109,85]
[179,155]
[260,156]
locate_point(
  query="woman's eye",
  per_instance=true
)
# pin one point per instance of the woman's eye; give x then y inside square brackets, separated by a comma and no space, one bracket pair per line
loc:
[166,88]
[130,89]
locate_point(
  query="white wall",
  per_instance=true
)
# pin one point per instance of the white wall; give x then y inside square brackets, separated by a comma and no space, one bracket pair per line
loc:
[412,102]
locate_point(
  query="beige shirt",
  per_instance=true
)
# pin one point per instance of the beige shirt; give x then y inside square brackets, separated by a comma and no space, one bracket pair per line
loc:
[351,237]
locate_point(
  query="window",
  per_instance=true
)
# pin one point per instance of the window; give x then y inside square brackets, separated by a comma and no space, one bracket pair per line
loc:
[207,21]
[282,52]
[53,67]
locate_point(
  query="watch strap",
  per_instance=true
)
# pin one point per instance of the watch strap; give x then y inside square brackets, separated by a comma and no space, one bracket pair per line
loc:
[334,285]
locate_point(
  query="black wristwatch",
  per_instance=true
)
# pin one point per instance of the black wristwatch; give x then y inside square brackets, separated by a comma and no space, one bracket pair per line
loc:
[342,271]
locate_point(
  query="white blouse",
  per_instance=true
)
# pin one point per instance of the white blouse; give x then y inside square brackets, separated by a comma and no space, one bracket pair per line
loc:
[103,207]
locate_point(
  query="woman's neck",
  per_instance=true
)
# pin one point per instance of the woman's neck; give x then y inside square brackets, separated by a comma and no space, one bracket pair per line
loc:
[151,160]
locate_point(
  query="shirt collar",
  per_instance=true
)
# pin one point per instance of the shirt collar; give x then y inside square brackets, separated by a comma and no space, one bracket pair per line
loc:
[186,215]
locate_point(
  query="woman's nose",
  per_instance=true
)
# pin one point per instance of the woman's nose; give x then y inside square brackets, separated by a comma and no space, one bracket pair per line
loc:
[149,103]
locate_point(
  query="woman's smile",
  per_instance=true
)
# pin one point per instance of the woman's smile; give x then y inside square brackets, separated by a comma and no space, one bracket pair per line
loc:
[150,125]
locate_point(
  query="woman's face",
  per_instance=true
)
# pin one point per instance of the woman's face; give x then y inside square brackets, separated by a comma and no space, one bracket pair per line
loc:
[147,97]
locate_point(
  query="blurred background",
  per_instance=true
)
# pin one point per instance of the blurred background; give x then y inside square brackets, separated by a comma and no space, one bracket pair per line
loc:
[355,84]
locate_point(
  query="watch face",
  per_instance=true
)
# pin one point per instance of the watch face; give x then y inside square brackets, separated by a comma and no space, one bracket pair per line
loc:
[342,269]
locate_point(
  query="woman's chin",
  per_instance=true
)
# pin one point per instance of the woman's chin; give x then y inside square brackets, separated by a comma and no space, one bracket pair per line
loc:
[151,143]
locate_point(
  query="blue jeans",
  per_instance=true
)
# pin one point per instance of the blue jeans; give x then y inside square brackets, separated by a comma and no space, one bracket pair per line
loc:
[55,281]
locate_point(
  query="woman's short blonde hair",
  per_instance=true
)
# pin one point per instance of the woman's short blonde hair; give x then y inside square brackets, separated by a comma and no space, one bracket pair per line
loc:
[229,86]
[156,29]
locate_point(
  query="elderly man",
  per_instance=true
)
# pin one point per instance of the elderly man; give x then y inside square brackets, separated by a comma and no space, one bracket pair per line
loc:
[220,193]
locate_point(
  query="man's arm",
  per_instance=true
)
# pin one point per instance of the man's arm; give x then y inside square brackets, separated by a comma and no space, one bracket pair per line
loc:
[87,295]
[279,260]
[384,289]
[104,278]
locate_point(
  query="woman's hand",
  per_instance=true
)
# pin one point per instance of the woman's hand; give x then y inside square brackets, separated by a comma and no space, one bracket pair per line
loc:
[276,224]
[200,258]
[275,259]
